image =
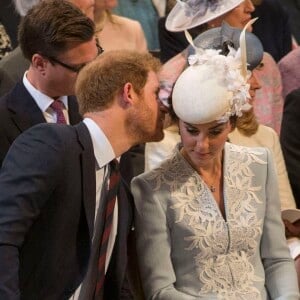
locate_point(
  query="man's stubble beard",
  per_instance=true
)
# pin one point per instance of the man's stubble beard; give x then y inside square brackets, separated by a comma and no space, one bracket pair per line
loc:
[141,127]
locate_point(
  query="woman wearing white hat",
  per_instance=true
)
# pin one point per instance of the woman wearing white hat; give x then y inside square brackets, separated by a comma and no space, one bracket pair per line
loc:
[208,219]
[191,13]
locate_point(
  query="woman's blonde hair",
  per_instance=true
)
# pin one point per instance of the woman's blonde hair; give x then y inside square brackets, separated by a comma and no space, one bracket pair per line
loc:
[107,15]
[247,124]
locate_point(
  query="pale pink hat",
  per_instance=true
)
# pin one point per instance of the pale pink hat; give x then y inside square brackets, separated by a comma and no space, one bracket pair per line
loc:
[191,13]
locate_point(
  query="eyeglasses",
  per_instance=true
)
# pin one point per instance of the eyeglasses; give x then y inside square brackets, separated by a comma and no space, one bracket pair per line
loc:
[75,69]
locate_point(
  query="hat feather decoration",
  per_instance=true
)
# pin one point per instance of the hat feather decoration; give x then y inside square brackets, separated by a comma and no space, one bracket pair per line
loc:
[214,86]
[244,48]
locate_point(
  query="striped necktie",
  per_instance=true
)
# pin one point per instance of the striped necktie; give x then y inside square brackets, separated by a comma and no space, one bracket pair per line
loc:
[58,107]
[110,199]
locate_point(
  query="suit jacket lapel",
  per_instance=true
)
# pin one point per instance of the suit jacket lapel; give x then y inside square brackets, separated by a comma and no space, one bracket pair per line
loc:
[88,175]
[74,115]
[25,112]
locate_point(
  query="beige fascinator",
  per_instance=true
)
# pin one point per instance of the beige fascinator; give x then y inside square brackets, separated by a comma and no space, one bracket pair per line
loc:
[214,86]
[187,14]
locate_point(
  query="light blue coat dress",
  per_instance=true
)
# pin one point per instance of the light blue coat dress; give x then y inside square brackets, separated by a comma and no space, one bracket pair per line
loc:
[187,250]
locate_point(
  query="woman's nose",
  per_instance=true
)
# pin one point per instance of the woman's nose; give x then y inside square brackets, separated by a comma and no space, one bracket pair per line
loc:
[202,142]
[254,81]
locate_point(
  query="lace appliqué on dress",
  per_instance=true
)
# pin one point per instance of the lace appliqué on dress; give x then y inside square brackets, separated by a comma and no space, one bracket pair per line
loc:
[222,250]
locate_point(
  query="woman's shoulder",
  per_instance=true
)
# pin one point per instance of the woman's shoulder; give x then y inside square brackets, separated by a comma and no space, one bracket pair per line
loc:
[264,137]
[245,153]
[169,170]
[127,22]
[268,137]
[163,167]
[247,162]
[130,33]
[267,131]
[231,147]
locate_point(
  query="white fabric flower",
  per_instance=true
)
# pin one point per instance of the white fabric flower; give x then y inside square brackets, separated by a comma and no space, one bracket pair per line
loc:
[230,69]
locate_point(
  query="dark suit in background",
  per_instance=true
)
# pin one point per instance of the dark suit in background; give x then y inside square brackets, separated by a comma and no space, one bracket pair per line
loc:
[273,28]
[290,140]
[19,111]
[293,9]
[50,195]
[172,43]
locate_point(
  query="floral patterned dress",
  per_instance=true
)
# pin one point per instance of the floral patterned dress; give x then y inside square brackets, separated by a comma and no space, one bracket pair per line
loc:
[188,250]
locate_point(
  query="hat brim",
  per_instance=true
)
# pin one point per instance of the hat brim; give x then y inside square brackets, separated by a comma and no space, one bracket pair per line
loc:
[177,20]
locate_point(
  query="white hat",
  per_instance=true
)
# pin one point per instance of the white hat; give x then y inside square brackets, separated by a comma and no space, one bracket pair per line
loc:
[214,87]
[191,13]
[199,96]
[211,88]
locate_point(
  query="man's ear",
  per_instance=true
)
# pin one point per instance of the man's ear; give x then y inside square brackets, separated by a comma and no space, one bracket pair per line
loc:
[129,94]
[39,63]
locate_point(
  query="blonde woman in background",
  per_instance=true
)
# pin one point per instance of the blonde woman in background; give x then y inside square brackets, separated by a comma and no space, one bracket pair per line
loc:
[116,32]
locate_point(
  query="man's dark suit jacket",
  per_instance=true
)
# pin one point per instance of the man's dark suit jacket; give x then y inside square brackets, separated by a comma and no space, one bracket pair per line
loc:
[47,206]
[19,111]
[290,140]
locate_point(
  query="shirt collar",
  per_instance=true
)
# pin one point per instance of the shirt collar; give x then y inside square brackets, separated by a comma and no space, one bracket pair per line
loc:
[103,150]
[43,101]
